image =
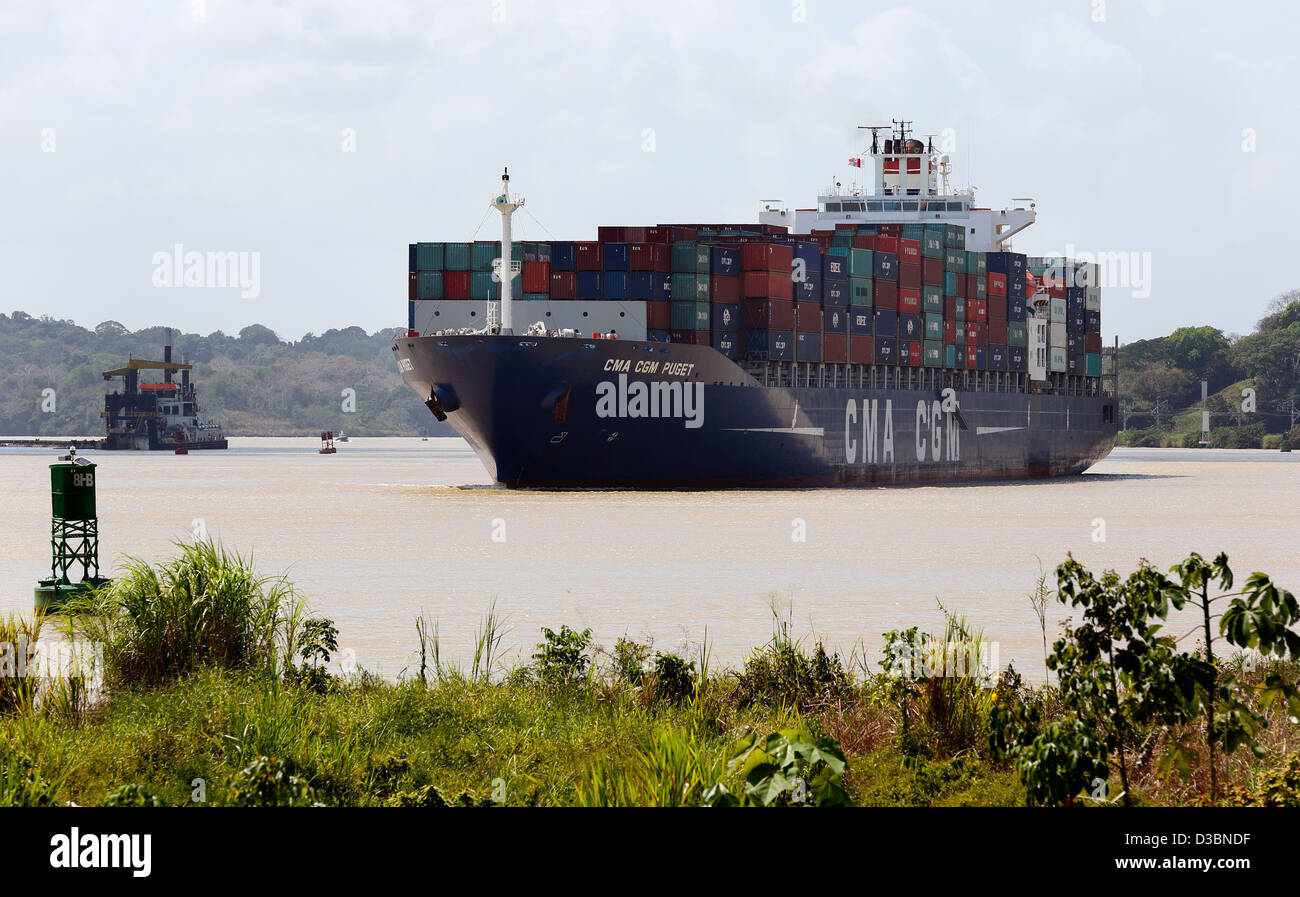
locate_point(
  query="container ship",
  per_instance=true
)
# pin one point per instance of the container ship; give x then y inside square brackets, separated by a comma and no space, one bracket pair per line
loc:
[889,335]
[161,416]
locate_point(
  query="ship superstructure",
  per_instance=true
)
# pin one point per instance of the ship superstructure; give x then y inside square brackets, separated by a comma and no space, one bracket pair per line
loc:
[155,416]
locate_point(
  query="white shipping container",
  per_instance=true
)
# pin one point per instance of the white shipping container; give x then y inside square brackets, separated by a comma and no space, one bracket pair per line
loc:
[1092,298]
[1059,310]
[1057,365]
[1058,336]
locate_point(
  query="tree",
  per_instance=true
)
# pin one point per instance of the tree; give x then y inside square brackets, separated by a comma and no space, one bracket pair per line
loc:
[1203,353]
[106,329]
[1160,381]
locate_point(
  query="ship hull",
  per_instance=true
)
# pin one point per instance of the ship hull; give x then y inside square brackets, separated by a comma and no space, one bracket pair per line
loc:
[581,413]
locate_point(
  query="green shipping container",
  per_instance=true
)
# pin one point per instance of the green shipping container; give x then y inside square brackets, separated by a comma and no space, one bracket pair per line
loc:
[954,237]
[954,260]
[981,263]
[701,290]
[482,254]
[970,262]
[482,286]
[860,291]
[456,257]
[428,285]
[934,326]
[1056,360]
[913,231]
[842,240]
[681,287]
[950,356]
[682,258]
[981,286]
[1017,334]
[428,257]
[1077,346]
[932,242]
[932,298]
[1092,364]
[950,283]
[932,351]
[961,310]
[689,315]
[860,262]
[960,335]
[702,259]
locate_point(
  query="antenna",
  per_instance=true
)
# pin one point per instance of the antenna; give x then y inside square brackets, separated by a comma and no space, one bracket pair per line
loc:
[875,141]
[505,202]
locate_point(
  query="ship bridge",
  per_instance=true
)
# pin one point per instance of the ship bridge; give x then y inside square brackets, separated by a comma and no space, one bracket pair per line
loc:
[909,186]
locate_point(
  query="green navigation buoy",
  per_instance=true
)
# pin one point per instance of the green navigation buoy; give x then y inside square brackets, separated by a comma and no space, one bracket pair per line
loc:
[74,533]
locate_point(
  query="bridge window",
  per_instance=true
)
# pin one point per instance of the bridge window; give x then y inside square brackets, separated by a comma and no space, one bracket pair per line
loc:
[832,207]
[909,207]
[954,207]
[873,207]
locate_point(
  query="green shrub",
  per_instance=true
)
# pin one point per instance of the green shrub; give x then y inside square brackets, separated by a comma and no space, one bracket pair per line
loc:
[561,658]
[269,782]
[792,767]
[17,652]
[132,796]
[1278,787]
[783,675]
[629,661]
[673,678]
[204,607]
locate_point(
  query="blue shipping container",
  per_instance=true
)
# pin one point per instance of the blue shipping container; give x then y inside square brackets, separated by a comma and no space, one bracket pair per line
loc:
[662,284]
[615,284]
[911,328]
[724,260]
[774,345]
[726,317]
[614,256]
[725,342]
[589,283]
[835,293]
[886,349]
[997,358]
[835,267]
[809,289]
[860,321]
[411,269]
[563,257]
[886,265]
[835,320]
[640,286]
[807,346]
[811,254]
[1016,358]
[885,322]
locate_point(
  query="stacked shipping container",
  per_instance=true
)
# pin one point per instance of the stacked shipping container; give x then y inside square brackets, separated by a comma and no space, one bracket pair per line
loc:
[892,294]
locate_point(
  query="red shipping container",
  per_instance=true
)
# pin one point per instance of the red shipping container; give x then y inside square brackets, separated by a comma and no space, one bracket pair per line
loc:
[768,314]
[1056,292]
[976,334]
[972,357]
[657,315]
[860,350]
[887,244]
[455,284]
[909,276]
[950,332]
[909,301]
[1092,343]
[961,286]
[693,337]
[564,285]
[909,252]
[835,348]
[997,308]
[658,235]
[997,333]
[724,289]
[808,316]
[766,257]
[977,310]
[680,234]
[536,277]
[950,308]
[766,285]
[891,230]
[914,354]
[412,288]
[885,294]
[997,284]
[647,256]
[932,272]
[610,234]
[864,241]
[845,225]
[588,254]
[633,235]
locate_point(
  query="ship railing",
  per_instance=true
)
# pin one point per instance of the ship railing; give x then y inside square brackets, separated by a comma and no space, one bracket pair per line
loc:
[795,374]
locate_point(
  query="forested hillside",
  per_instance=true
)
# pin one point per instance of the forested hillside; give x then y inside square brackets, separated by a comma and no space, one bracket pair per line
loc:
[254,383]
[1160,383]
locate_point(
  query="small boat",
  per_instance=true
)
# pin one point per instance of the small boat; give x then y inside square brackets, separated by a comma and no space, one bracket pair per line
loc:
[342,437]
[327,443]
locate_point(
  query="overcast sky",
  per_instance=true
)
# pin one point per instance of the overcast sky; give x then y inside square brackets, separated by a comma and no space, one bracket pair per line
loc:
[1156,128]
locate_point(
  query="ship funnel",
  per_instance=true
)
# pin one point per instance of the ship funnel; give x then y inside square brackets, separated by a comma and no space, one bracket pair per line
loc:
[505,202]
[167,355]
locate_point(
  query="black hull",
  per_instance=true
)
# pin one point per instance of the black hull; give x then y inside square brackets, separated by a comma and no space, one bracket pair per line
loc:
[565,413]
